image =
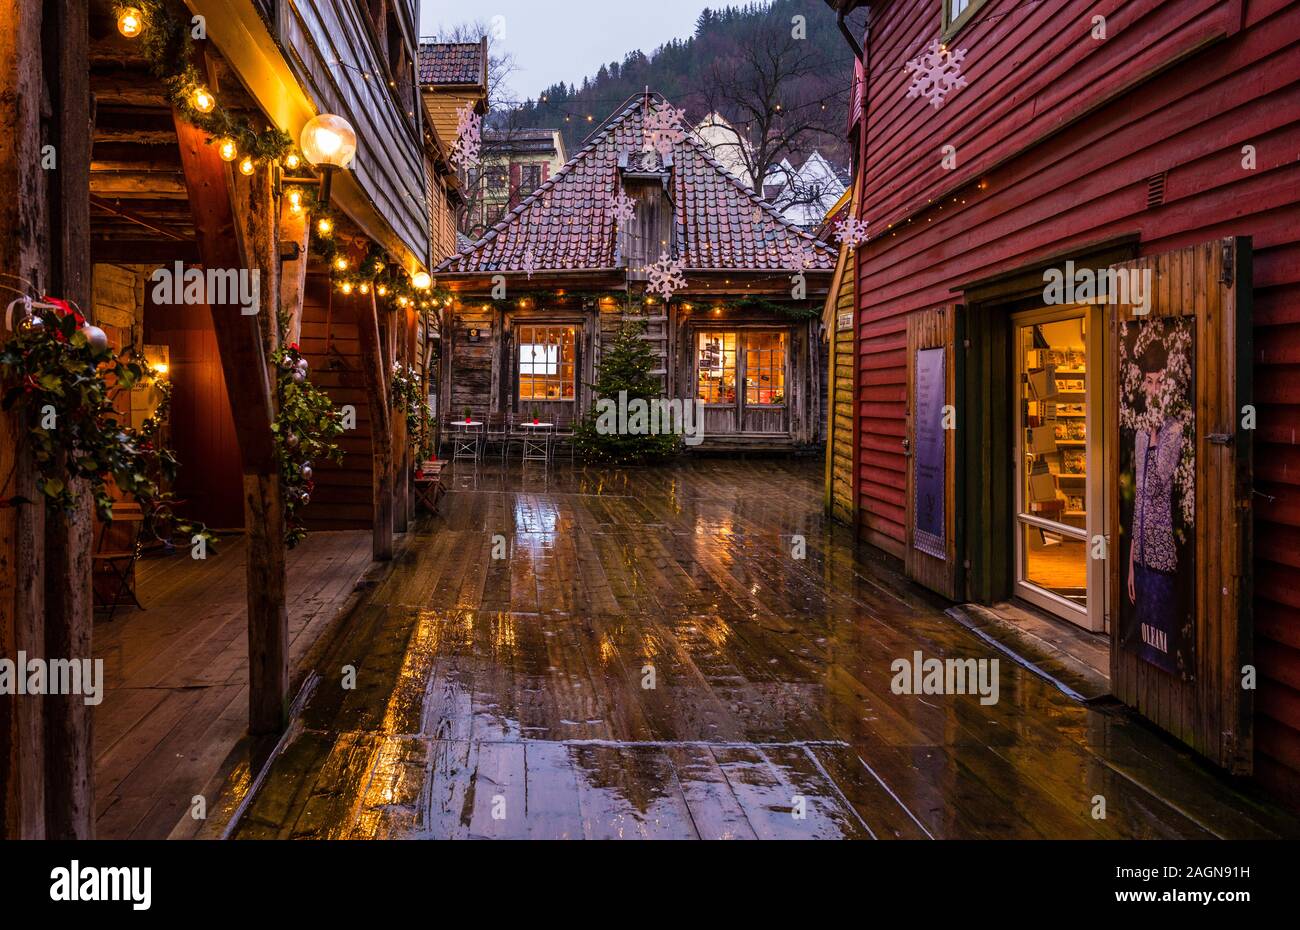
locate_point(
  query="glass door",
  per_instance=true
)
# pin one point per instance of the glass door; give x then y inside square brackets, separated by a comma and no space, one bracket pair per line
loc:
[1058,461]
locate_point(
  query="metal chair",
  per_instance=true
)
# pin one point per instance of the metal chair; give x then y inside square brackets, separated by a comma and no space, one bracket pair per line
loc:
[118,565]
[497,431]
[564,432]
[466,440]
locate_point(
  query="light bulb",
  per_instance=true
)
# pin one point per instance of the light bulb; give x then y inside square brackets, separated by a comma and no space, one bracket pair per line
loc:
[328,141]
[421,280]
[364,288]
[381,291]
[325,226]
[292,160]
[341,263]
[130,22]
[295,200]
[227,149]
[246,166]
[347,287]
[202,101]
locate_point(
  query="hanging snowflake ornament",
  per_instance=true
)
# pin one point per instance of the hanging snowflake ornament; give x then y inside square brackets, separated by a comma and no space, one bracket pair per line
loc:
[666,276]
[529,264]
[663,129]
[469,136]
[936,73]
[804,256]
[622,207]
[851,232]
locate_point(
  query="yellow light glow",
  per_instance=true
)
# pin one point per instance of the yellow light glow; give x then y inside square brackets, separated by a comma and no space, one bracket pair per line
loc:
[328,141]
[130,22]
[160,368]
[364,288]
[227,149]
[341,263]
[201,100]
[292,160]
[347,287]
[421,281]
[295,200]
[381,291]
[246,166]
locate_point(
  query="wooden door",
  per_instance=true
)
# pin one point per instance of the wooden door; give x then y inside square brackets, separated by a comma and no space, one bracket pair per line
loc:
[1180,527]
[931,448]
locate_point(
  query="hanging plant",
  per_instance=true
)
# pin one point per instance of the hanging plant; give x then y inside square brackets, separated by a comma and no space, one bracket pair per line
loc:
[405,391]
[61,374]
[305,431]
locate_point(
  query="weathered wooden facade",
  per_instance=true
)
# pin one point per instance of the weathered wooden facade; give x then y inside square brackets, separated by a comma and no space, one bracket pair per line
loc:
[137,187]
[1144,137]
[740,331]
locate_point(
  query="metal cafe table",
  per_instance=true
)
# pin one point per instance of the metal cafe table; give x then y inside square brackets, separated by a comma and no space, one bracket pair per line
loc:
[537,441]
[465,439]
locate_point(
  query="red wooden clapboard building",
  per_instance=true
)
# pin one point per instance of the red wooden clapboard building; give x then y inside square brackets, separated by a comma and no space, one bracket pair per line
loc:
[1144,143]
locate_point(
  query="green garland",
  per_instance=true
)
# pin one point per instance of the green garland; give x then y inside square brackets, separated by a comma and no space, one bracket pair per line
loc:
[305,429]
[64,387]
[169,49]
[406,395]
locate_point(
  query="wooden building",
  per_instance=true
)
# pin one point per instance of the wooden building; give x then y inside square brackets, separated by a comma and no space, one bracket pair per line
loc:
[139,186]
[1150,145]
[560,274]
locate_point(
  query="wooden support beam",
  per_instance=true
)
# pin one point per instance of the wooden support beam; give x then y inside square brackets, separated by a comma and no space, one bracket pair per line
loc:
[381,430]
[69,788]
[241,340]
[295,230]
[23,250]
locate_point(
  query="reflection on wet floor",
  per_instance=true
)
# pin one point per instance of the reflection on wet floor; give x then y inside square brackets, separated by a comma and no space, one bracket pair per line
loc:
[644,657]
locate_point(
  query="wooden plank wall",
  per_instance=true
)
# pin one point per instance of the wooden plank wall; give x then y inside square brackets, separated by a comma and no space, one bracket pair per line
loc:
[1185,117]
[842,497]
[342,498]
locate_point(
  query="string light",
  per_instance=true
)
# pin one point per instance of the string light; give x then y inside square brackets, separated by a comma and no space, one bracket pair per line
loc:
[295,201]
[292,161]
[130,22]
[325,226]
[201,100]
[364,288]
[341,263]
[226,148]
[246,166]
[346,287]
[381,291]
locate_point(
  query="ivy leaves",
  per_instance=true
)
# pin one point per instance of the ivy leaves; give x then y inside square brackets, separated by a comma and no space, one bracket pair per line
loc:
[305,430]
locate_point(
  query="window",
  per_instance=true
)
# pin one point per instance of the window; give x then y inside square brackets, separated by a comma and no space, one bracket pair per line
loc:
[546,362]
[496,178]
[764,369]
[530,178]
[717,368]
[957,13]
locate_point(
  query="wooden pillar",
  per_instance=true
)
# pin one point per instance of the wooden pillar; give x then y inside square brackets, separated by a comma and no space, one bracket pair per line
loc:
[69,787]
[242,340]
[375,372]
[24,232]
[295,230]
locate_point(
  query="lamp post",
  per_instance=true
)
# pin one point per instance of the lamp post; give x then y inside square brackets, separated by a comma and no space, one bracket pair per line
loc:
[328,142]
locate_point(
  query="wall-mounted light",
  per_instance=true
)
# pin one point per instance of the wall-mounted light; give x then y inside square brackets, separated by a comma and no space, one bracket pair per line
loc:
[328,143]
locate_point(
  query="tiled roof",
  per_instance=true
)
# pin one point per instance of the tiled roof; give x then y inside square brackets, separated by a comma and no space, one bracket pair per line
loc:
[451,63]
[566,224]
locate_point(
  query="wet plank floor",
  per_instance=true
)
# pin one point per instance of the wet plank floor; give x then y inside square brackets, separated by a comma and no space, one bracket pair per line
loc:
[640,653]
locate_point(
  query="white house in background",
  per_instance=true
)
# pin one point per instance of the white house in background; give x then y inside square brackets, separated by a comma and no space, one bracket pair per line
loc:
[804,196]
[727,145]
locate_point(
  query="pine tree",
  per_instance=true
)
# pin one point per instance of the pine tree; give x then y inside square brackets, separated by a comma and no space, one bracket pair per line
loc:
[625,366]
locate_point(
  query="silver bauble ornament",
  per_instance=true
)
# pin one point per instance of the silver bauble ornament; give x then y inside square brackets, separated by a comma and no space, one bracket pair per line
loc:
[305,497]
[299,376]
[291,440]
[306,472]
[303,365]
[96,338]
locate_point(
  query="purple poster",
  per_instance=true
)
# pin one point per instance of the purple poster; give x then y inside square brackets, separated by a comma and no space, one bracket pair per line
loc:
[928,456]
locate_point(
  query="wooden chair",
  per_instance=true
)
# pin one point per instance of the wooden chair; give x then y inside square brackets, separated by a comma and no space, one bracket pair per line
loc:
[117,566]
[428,485]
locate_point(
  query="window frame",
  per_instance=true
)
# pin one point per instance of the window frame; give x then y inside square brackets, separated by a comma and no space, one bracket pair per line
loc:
[742,334]
[950,27]
[569,331]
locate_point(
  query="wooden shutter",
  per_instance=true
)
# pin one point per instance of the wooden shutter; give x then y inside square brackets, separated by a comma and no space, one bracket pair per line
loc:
[1203,703]
[931,556]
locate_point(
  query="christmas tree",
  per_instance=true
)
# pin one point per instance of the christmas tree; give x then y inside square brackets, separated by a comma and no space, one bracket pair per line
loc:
[625,376]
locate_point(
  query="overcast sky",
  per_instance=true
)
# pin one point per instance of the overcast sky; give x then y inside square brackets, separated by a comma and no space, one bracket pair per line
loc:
[565,40]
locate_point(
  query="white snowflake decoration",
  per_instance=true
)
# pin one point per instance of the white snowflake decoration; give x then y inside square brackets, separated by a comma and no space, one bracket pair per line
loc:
[666,276]
[529,263]
[622,207]
[469,135]
[663,129]
[804,256]
[851,232]
[936,73]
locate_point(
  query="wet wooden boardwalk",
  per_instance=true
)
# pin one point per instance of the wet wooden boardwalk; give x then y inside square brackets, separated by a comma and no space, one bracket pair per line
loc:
[502,672]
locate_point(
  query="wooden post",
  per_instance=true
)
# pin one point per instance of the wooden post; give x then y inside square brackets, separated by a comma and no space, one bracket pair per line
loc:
[24,237]
[381,430]
[241,340]
[69,787]
[294,230]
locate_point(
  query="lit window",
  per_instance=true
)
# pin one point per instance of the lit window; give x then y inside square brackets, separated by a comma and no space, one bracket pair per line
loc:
[717,368]
[546,362]
[764,368]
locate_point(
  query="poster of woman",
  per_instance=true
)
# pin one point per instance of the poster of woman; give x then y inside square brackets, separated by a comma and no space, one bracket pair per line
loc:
[1158,492]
